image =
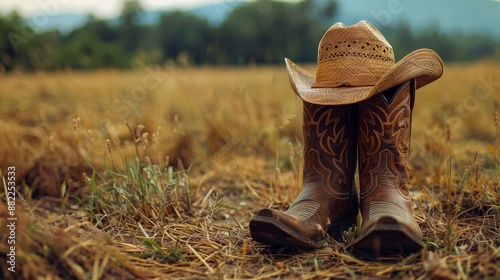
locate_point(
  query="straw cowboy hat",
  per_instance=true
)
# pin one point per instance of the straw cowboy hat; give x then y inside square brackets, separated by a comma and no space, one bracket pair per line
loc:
[357,62]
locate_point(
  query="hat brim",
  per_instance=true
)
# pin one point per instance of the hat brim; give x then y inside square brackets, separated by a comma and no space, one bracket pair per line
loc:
[424,65]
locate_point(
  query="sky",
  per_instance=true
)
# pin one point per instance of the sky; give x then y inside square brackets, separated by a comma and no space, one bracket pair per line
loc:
[100,8]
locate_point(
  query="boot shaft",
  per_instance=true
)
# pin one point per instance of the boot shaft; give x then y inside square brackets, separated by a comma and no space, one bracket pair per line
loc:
[328,202]
[330,148]
[384,139]
[388,222]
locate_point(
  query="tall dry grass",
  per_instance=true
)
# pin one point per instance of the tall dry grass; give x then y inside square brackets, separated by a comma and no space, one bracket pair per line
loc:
[167,178]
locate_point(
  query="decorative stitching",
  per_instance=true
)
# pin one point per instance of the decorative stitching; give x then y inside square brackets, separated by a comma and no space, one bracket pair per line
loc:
[303,210]
[383,208]
[386,125]
[331,135]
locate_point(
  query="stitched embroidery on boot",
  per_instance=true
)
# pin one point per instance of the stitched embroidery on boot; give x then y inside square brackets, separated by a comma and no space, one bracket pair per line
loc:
[322,128]
[315,172]
[378,125]
[384,174]
[303,210]
[383,209]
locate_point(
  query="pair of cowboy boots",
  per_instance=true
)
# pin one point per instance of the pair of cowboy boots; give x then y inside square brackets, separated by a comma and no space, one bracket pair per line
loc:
[374,133]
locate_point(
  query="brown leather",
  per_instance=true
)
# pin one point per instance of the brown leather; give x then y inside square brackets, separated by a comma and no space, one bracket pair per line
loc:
[384,147]
[329,200]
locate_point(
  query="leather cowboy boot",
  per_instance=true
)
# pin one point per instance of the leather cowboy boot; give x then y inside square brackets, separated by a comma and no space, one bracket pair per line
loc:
[384,147]
[328,202]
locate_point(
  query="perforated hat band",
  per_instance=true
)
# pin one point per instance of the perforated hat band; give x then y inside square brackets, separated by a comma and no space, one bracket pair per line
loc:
[352,62]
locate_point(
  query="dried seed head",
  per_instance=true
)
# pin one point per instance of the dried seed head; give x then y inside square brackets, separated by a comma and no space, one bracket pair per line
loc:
[76,124]
[145,139]
[108,143]
[292,150]
[89,134]
[155,139]
[51,144]
[87,178]
[299,145]
[244,247]
[158,132]
[140,129]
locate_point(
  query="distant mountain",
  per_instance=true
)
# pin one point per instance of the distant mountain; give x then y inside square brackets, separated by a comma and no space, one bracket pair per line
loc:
[144,18]
[214,13]
[62,22]
[217,12]
[466,16]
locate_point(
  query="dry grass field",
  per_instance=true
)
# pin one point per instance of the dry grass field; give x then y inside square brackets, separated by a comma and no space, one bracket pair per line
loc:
[154,174]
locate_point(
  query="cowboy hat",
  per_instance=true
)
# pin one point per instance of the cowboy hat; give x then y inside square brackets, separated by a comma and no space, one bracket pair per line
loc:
[357,62]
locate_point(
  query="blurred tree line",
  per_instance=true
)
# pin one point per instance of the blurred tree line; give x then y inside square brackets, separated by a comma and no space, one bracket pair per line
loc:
[259,32]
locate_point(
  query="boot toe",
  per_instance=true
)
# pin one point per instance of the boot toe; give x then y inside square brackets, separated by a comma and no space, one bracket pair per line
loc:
[272,227]
[387,237]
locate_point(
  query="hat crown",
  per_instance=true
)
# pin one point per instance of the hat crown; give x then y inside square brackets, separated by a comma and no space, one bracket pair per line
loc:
[357,55]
